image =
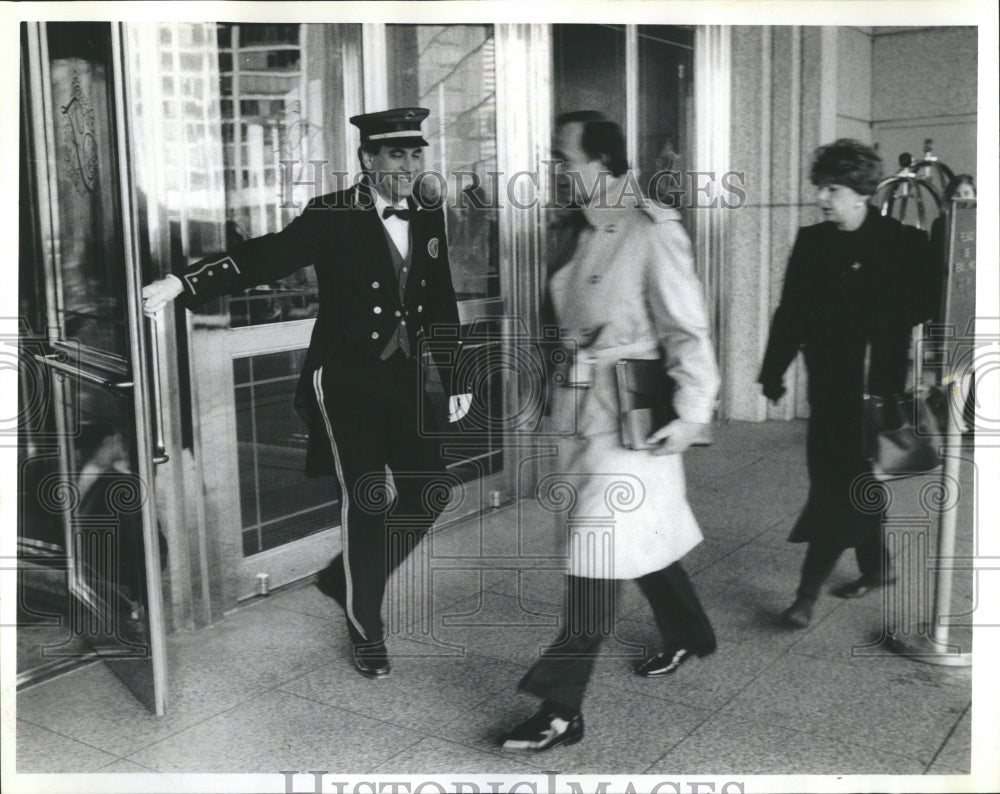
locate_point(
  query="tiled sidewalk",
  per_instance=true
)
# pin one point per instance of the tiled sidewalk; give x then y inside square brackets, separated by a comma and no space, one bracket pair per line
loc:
[271,688]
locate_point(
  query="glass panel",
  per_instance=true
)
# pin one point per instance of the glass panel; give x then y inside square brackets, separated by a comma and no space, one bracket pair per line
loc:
[232,113]
[278,503]
[451,70]
[89,239]
[589,69]
[666,109]
[99,496]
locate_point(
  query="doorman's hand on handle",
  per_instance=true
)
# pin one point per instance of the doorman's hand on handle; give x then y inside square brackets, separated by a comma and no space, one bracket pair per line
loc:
[158,294]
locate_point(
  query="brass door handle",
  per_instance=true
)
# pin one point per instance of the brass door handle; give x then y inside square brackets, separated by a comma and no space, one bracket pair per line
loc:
[160,455]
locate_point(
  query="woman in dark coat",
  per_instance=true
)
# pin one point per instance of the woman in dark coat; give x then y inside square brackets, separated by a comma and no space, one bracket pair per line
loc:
[855,278]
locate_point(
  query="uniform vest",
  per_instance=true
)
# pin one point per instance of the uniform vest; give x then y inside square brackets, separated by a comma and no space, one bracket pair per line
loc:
[400,339]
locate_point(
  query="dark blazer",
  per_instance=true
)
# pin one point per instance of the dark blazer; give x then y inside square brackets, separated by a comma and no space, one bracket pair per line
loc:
[342,237]
[842,290]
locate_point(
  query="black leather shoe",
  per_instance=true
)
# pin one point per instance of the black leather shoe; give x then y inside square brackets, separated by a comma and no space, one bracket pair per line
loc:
[799,614]
[372,661]
[668,661]
[543,731]
[861,586]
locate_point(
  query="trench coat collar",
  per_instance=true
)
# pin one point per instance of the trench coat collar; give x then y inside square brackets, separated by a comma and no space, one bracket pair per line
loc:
[609,206]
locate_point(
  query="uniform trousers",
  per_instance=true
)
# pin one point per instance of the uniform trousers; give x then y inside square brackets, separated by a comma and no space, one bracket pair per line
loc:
[377,416]
[562,672]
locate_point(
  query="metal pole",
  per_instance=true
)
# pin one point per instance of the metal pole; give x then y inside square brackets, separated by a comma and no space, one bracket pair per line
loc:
[947,520]
[931,644]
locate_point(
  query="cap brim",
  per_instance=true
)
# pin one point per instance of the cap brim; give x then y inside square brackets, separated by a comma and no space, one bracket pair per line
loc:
[409,141]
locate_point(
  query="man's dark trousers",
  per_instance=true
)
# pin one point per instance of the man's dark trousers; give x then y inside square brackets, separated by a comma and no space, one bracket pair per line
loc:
[377,414]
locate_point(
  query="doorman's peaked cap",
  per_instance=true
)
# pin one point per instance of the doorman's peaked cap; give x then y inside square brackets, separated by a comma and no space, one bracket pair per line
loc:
[398,125]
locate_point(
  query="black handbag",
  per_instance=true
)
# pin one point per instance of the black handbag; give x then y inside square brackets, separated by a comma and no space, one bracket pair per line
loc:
[645,400]
[899,432]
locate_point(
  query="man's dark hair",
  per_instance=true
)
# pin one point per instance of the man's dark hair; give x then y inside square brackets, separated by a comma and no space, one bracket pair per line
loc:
[847,162]
[368,147]
[600,139]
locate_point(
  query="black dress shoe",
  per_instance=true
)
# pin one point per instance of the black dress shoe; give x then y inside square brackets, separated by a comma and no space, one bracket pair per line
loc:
[861,586]
[372,661]
[543,731]
[799,614]
[669,661]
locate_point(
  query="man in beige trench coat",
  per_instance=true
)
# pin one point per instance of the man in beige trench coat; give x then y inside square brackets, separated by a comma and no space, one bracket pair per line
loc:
[628,291]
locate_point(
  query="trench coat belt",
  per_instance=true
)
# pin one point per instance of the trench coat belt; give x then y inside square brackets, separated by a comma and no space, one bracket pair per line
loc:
[645,348]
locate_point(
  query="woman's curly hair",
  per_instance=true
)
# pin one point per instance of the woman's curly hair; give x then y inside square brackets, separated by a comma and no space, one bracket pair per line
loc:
[847,162]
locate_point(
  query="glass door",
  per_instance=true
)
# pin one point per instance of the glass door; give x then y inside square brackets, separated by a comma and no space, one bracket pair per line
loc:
[89,552]
[451,71]
[238,125]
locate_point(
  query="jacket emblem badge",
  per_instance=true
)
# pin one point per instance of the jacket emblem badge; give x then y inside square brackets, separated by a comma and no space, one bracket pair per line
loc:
[432,247]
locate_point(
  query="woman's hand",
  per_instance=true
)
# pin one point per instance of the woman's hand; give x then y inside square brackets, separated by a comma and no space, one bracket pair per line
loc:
[676,436]
[773,390]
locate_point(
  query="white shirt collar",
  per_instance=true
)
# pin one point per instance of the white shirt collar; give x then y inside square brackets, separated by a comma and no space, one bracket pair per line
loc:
[381,204]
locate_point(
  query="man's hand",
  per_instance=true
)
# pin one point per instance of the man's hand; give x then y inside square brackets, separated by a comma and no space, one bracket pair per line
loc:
[157,294]
[458,406]
[675,437]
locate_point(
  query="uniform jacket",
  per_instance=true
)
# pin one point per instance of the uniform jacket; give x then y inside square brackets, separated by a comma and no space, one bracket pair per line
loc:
[842,290]
[342,237]
[629,290]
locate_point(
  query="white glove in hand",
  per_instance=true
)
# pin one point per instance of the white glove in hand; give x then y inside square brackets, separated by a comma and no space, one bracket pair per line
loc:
[458,406]
[157,294]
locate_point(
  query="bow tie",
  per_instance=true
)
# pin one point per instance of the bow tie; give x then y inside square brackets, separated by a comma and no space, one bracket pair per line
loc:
[402,214]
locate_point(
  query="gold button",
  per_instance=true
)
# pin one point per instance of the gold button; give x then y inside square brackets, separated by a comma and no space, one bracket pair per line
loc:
[374,334]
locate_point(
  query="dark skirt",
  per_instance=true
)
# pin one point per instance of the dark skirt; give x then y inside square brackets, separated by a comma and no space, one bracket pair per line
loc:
[845,506]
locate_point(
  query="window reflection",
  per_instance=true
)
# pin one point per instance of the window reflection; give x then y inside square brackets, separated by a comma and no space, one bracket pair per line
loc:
[589,69]
[666,111]
[90,257]
[222,106]
[451,70]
